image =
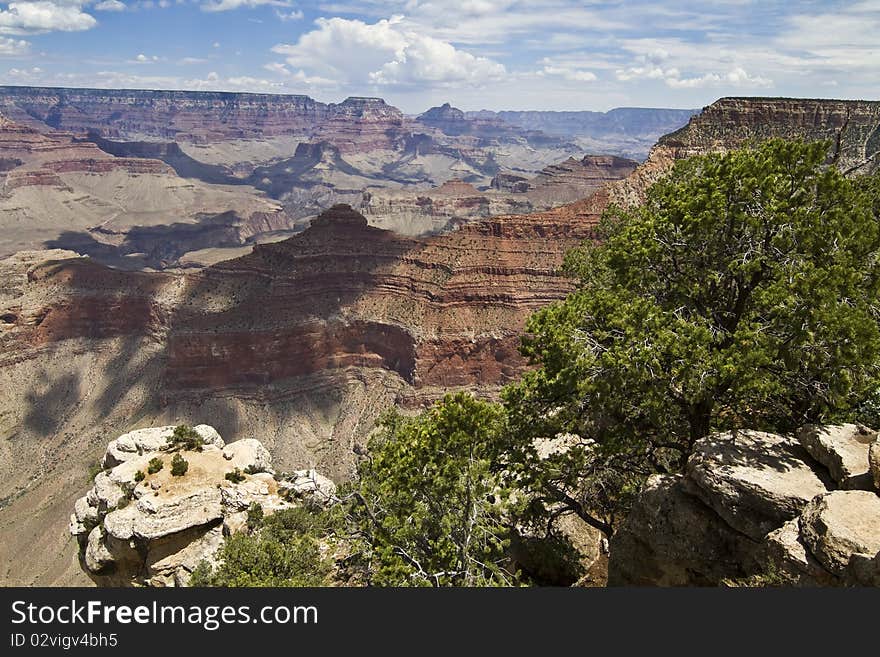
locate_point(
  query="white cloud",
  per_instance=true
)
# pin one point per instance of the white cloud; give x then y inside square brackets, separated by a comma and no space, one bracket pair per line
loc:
[228,5]
[385,53]
[738,77]
[656,63]
[277,67]
[187,61]
[294,15]
[13,47]
[110,5]
[300,77]
[568,73]
[144,59]
[44,16]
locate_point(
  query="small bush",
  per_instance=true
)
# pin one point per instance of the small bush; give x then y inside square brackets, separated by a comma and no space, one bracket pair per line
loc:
[185,437]
[155,465]
[236,477]
[179,466]
[255,516]
[139,476]
[252,470]
[95,469]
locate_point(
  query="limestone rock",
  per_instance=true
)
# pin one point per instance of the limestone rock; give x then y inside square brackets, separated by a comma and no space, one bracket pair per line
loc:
[755,481]
[785,552]
[843,449]
[840,524]
[171,562]
[671,538]
[260,488]
[863,570]
[573,554]
[97,556]
[248,453]
[156,528]
[310,483]
[874,462]
[153,517]
[142,441]
[106,493]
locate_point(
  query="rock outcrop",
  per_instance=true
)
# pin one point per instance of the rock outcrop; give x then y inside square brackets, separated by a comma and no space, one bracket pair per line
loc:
[457,202]
[755,481]
[843,450]
[852,127]
[756,505]
[143,525]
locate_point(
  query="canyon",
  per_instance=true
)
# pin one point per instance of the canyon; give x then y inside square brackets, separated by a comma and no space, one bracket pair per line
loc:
[302,342]
[215,173]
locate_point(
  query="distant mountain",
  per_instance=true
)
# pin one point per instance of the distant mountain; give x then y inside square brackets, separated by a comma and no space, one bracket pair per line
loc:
[636,121]
[624,131]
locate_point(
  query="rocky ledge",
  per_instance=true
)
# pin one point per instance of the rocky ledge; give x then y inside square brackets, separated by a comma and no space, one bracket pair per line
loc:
[760,508]
[145,524]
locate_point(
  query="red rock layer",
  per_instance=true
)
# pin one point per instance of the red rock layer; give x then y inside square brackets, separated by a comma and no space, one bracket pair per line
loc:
[35,158]
[361,124]
[438,312]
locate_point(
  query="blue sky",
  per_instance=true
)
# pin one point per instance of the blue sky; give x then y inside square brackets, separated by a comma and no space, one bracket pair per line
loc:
[494,54]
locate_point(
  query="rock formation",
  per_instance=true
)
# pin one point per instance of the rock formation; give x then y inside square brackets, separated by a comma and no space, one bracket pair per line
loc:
[754,504]
[141,524]
[60,191]
[624,131]
[457,202]
[852,127]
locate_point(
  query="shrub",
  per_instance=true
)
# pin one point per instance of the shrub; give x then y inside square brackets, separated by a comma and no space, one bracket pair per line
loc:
[179,466]
[139,476]
[254,516]
[283,552]
[95,469]
[428,503]
[236,477]
[155,465]
[185,437]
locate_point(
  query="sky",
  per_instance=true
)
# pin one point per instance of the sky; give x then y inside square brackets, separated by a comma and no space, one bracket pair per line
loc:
[476,54]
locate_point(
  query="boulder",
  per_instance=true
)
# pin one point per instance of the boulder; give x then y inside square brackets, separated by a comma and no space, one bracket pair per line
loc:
[170,562]
[843,449]
[671,538]
[840,524]
[310,483]
[784,552]
[153,517]
[260,488]
[874,462]
[863,570]
[755,481]
[105,494]
[142,441]
[97,556]
[572,553]
[248,454]
[155,528]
